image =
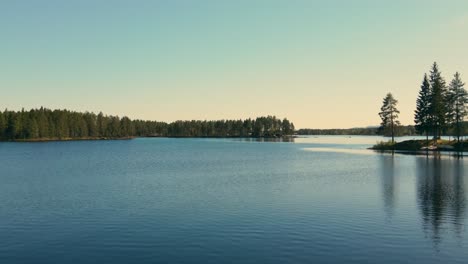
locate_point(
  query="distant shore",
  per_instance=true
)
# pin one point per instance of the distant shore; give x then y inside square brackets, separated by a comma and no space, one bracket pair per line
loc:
[68,139]
[134,137]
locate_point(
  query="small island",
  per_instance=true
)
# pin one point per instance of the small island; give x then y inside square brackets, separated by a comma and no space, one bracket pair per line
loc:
[422,145]
[440,111]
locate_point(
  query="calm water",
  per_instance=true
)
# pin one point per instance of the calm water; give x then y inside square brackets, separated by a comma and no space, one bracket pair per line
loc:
[317,200]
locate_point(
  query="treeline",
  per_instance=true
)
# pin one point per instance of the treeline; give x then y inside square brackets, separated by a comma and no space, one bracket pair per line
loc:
[46,124]
[364,131]
[269,126]
[441,107]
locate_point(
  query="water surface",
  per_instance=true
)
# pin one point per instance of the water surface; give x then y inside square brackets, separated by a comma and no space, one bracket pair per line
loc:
[159,200]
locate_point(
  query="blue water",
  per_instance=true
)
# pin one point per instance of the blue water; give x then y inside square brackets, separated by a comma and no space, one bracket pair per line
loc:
[159,200]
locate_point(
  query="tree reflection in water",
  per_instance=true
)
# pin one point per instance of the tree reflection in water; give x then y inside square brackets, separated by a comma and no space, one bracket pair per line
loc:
[388,183]
[441,196]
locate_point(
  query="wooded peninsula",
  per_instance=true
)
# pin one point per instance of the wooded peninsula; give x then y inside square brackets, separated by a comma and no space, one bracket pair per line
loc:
[46,125]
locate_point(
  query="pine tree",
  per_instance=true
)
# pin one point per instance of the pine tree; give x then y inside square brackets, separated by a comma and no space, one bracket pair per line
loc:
[62,128]
[422,116]
[91,123]
[287,127]
[457,101]
[101,124]
[126,127]
[438,105]
[389,115]
[3,125]
[43,123]
[14,126]
[32,129]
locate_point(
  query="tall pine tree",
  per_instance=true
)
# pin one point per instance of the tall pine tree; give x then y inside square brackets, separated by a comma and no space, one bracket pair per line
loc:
[438,104]
[422,115]
[3,125]
[389,115]
[457,100]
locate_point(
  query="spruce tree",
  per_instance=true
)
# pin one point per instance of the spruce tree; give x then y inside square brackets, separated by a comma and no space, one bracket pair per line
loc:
[43,123]
[389,115]
[457,100]
[3,125]
[101,124]
[422,115]
[438,105]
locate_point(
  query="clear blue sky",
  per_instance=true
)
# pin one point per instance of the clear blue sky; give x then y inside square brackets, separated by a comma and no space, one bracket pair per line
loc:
[322,64]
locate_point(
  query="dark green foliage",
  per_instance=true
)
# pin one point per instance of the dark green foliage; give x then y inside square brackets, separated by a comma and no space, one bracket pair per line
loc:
[384,145]
[440,110]
[3,125]
[422,115]
[91,123]
[457,100]
[438,104]
[126,127]
[461,145]
[362,131]
[389,115]
[287,127]
[419,145]
[408,145]
[45,124]
[269,126]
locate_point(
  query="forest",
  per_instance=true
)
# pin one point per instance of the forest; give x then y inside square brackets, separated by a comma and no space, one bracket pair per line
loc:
[360,131]
[45,124]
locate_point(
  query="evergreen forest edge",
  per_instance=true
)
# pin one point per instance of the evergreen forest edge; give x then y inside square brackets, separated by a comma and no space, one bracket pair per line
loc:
[440,110]
[44,124]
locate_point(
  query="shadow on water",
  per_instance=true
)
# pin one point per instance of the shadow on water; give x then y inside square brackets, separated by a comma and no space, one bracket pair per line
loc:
[441,196]
[388,183]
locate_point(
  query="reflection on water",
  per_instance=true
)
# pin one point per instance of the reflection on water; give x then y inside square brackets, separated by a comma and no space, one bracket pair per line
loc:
[437,154]
[388,183]
[441,196]
[262,139]
[342,150]
[164,200]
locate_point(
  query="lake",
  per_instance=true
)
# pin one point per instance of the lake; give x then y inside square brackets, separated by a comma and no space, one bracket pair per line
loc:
[319,199]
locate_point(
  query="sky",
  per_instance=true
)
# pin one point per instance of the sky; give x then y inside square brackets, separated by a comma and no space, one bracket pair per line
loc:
[321,64]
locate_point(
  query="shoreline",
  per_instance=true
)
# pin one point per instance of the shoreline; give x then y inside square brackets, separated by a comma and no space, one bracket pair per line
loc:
[39,140]
[422,146]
